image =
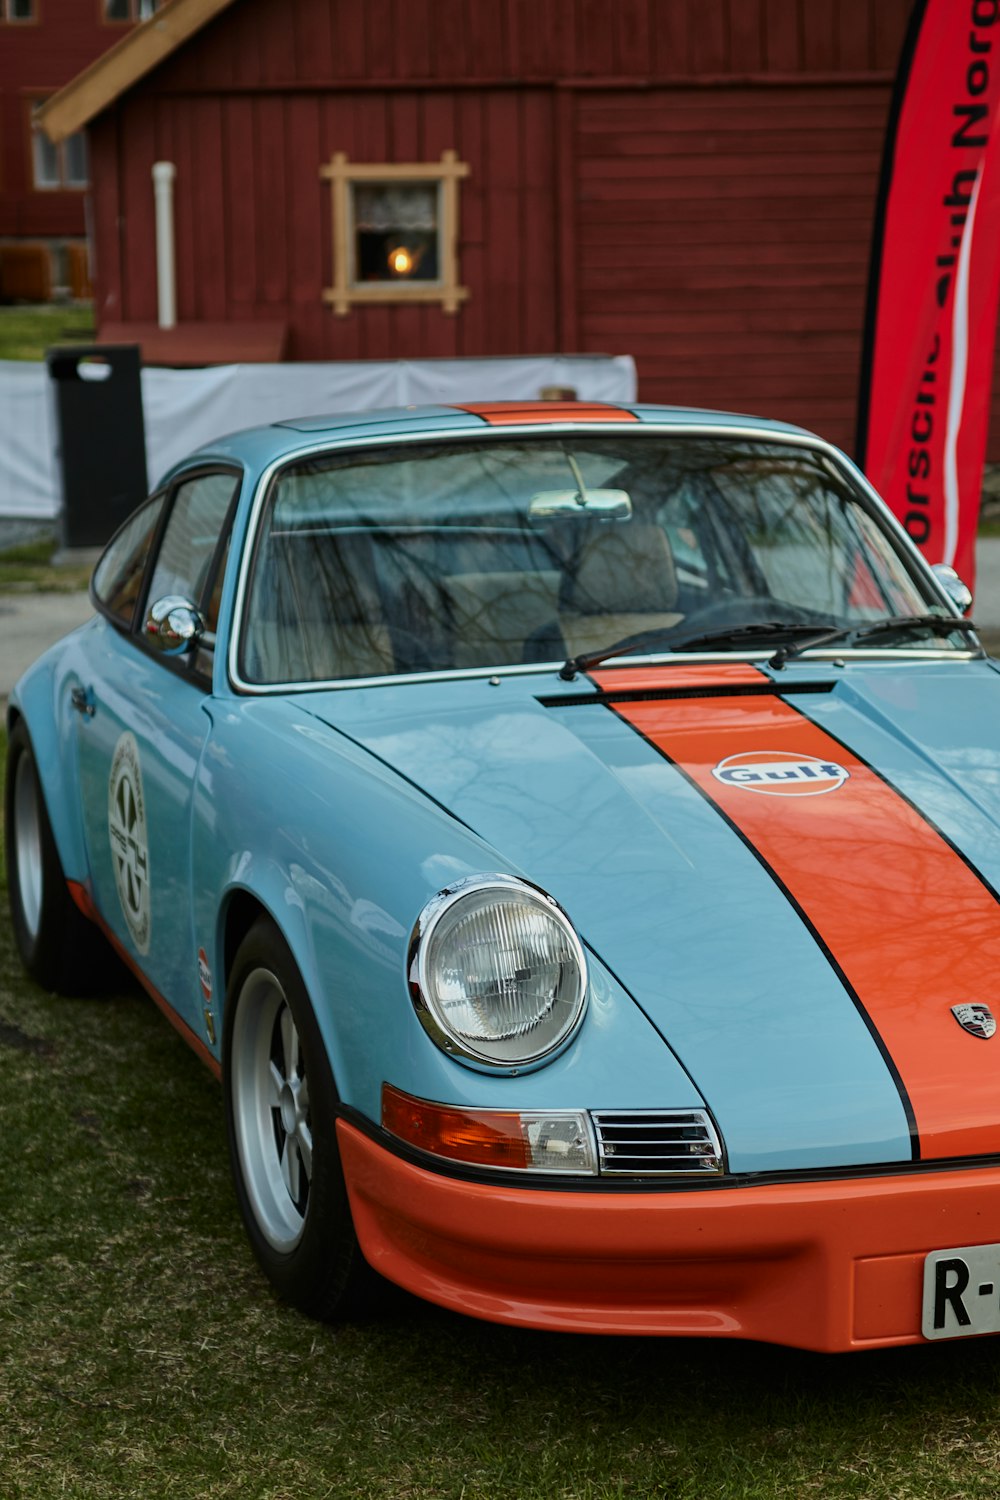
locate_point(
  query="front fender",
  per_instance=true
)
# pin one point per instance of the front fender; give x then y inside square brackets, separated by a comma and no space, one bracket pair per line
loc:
[343,854]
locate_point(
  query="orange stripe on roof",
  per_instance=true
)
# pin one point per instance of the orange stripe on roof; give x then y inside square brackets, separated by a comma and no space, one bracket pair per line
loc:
[910,927]
[509,413]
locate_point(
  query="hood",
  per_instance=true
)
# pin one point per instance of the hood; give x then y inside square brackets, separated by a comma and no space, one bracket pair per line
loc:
[793,874]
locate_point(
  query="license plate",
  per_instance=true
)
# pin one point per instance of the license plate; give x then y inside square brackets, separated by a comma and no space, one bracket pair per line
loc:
[961,1292]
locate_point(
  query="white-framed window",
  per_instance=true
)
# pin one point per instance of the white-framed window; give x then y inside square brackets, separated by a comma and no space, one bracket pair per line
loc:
[58,167]
[18,10]
[128,10]
[395,232]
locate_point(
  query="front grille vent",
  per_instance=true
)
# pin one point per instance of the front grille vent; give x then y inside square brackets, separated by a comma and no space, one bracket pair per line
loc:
[657,1143]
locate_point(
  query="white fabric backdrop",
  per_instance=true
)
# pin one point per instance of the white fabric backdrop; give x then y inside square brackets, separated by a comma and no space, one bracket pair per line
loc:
[28,479]
[185,408]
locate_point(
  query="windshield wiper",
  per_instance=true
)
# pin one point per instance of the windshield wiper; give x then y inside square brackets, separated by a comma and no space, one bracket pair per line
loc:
[809,635]
[765,630]
[851,634]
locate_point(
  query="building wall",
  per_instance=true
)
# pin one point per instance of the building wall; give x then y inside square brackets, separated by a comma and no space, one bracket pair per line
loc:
[253,216]
[36,59]
[258,44]
[689,181]
[723,239]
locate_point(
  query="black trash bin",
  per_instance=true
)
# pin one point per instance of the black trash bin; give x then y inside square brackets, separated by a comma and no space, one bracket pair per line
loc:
[101,440]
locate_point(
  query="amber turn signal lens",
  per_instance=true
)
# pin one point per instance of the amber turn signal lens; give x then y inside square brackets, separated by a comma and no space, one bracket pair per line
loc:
[491,1138]
[559,1141]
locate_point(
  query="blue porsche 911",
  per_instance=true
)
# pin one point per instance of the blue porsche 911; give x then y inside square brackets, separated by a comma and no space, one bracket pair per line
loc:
[572,834]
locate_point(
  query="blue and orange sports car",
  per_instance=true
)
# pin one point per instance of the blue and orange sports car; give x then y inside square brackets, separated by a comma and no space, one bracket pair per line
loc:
[572,833]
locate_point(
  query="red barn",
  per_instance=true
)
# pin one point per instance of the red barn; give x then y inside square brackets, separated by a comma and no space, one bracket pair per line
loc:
[688,181]
[43,44]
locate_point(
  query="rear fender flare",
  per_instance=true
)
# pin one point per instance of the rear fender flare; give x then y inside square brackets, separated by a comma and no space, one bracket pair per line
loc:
[43,701]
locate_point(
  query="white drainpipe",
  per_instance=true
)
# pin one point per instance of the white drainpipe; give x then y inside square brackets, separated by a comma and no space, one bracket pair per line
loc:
[164,173]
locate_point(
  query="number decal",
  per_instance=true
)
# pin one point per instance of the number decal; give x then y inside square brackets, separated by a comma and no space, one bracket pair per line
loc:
[129,842]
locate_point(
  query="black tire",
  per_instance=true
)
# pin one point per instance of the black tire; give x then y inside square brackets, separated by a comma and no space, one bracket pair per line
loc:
[59,947]
[282,1140]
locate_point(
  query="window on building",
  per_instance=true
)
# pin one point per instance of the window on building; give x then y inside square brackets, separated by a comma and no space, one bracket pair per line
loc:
[18,10]
[395,232]
[62,166]
[129,10]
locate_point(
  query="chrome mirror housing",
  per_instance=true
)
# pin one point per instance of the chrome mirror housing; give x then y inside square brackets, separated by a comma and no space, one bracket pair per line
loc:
[958,592]
[173,625]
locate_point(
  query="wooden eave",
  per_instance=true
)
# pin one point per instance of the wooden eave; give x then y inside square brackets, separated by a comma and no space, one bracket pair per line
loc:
[123,65]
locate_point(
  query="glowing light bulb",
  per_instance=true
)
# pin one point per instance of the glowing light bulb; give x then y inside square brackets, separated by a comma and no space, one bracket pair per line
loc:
[400,261]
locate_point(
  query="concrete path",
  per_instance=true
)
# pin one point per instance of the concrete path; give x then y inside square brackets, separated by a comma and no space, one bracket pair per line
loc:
[30,622]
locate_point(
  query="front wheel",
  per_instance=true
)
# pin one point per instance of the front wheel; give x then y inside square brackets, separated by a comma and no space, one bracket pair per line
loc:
[280,1116]
[59,947]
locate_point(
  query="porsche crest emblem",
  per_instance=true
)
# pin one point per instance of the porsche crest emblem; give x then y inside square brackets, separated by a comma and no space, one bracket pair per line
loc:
[978,1020]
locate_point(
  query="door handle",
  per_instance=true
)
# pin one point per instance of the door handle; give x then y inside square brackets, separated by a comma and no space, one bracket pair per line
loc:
[82,700]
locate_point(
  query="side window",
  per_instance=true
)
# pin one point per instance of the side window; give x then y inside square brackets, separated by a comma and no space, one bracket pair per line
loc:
[214,600]
[191,537]
[117,579]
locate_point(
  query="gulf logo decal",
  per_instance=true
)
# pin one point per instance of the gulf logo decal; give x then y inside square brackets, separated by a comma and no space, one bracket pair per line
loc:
[879,887]
[204,974]
[780,773]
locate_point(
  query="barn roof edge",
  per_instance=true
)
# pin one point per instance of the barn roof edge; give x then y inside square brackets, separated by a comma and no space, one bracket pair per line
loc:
[130,59]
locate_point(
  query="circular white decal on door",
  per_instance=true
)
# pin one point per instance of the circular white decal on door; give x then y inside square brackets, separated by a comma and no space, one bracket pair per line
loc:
[780,773]
[129,843]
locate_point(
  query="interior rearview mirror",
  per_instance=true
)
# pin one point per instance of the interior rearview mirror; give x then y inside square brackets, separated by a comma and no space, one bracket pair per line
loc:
[607,505]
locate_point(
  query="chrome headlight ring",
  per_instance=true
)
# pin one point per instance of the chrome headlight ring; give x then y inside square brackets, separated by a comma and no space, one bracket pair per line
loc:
[497,973]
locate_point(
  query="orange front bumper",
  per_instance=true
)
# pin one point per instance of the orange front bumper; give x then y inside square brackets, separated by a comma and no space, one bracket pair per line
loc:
[827,1265]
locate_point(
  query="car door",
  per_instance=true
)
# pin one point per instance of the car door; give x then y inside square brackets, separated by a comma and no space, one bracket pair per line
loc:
[143,724]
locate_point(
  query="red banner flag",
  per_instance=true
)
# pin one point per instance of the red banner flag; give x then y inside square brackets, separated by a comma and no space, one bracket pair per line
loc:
[935,281]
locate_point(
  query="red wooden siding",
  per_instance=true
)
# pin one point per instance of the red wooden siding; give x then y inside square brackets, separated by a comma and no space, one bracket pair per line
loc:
[723,240]
[688,181]
[36,59]
[258,44]
[253,217]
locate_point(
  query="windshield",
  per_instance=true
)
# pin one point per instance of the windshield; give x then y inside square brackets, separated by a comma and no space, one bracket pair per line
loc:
[462,555]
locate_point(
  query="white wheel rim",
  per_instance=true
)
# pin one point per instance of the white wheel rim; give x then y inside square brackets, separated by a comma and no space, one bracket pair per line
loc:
[28,844]
[270,1099]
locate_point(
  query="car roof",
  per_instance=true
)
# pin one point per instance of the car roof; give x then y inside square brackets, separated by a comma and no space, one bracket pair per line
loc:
[258,446]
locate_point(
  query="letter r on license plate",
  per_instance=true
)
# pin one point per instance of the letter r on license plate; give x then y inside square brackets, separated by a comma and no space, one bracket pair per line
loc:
[961,1292]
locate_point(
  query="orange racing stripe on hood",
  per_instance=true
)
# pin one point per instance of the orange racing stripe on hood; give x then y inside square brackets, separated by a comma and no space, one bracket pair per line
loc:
[685,674]
[909,926]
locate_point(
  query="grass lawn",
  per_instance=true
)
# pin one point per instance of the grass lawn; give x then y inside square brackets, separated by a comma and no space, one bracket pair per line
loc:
[28,568]
[26,332]
[141,1353]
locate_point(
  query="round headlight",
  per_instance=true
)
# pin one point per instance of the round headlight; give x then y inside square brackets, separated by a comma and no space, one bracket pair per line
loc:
[497,973]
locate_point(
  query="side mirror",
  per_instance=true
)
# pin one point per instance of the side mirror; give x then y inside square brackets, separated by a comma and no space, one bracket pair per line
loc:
[173,625]
[958,592]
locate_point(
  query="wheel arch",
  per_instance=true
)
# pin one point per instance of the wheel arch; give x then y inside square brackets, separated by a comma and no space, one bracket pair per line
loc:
[241,911]
[241,908]
[35,705]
